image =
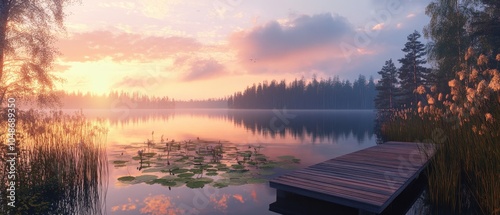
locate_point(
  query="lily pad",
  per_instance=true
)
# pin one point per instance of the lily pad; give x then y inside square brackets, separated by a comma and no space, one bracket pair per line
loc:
[195,184]
[144,178]
[178,171]
[119,162]
[196,171]
[223,169]
[169,177]
[237,166]
[164,182]
[183,180]
[154,169]
[149,154]
[220,184]
[256,180]
[185,175]
[126,178]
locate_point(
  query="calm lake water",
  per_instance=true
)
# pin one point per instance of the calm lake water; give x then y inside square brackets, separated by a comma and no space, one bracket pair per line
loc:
[249,147]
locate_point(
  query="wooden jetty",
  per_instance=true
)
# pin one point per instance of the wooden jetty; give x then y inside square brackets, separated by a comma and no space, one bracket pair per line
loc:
[367,180]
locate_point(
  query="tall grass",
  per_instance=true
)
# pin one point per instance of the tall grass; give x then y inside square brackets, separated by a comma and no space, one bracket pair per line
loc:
[464,174]
[61,166]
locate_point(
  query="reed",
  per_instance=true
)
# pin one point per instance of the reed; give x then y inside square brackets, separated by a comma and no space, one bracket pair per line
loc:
[61,165]
[464,174]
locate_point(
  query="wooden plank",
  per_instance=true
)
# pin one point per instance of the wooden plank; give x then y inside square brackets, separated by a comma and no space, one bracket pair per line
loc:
[369,179]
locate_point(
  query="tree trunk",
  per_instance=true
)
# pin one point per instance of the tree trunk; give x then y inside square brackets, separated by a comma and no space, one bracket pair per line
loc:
[4,13]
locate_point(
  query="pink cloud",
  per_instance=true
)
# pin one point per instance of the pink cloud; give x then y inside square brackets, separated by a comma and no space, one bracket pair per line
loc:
[203,69]
[239,198]
[306,43]
[96,45]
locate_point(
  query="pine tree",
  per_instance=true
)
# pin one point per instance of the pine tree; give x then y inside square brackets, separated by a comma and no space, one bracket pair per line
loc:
[412,74]
[386,87]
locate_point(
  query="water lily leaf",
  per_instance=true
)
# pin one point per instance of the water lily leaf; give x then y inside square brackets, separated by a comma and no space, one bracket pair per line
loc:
[178,171]
[164,182]
[238,170]
[261,159]
[223,169]
[211,173]
[256,180]
[169,177]
[144,178]
[270,165]
[237,166]
[195,184]
[119,162]
[239,174]
[237,181]
[252,163]
[154,169]
[126,178]
[220,184]
[185,175]
[196,171]
[149,154]
[183,180]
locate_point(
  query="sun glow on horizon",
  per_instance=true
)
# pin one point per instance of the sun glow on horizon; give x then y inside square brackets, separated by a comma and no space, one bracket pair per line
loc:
[194,50]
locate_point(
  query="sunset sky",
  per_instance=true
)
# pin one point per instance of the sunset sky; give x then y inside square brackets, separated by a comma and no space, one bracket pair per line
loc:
[212,48]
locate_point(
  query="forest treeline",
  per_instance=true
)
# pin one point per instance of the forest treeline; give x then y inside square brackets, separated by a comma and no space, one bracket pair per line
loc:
[116,100]
[329,93]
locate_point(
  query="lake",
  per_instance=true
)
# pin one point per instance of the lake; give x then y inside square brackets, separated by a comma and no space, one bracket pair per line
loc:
[218,161]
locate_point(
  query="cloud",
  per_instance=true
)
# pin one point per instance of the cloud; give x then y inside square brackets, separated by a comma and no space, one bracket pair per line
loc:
[378,27]
[239,198]
[158,9]
[200,69]
[411,15]
[97,45]
[304,43]
[160,204]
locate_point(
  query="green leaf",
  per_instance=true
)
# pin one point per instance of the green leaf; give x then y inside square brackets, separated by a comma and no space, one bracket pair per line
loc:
[126,178]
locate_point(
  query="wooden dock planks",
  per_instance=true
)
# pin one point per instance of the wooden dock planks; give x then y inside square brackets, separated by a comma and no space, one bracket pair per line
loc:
[369,179]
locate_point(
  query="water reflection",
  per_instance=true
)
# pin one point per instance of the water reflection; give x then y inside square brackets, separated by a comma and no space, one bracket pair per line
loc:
[318,125]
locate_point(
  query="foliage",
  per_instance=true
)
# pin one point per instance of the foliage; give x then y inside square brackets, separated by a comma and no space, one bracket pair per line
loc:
[485,27]
[453,29]
[322,94]
[411,73]
[386,87]
[119,100]
[27,33]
